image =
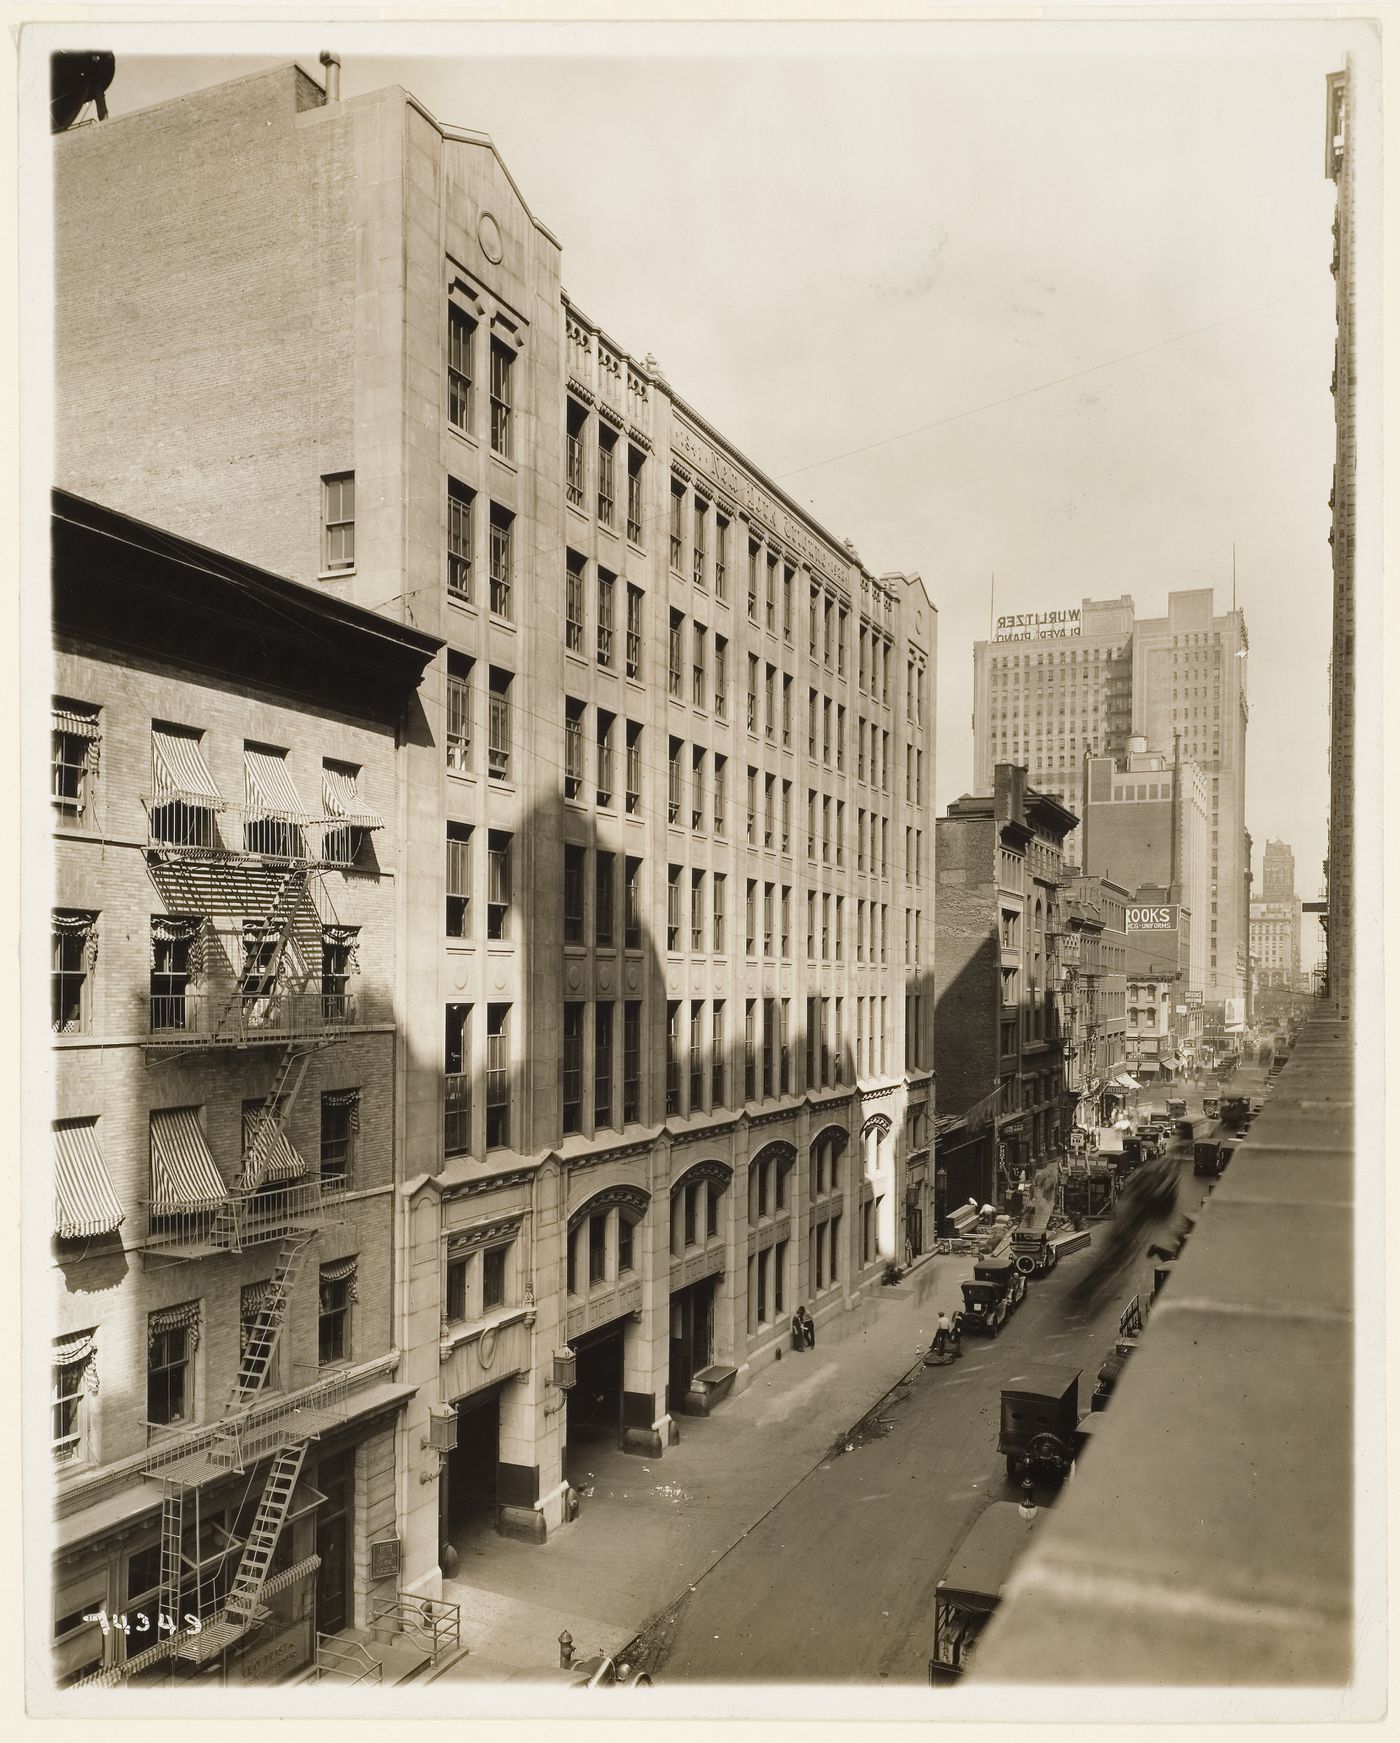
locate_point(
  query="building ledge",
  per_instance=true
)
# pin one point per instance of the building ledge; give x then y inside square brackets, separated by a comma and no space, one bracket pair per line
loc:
[1223,1556]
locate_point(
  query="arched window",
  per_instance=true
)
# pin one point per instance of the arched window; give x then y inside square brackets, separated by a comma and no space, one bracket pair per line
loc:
[696,1206]
[603,1248]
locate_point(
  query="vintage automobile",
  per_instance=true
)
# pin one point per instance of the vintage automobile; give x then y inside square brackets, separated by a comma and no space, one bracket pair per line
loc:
[1110,1372]
[1210,1107]
[1006,1277]
[972,1584]
[984,1308]
[1091,1191]
[1135,1151]
[1033,1252]
[1040,1421]
[1176,1108]
[1209,1158]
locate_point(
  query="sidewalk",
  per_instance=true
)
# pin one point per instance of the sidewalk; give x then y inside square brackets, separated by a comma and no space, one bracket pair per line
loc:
[650,1528]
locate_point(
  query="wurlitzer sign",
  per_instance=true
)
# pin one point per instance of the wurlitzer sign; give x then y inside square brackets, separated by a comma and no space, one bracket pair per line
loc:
[1151,919]
[1037,626]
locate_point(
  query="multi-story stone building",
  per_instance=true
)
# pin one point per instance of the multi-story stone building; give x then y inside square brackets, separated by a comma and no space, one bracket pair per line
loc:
[664,901]
[1091,990]
[226,1384]
[998,870]
[1163,1030]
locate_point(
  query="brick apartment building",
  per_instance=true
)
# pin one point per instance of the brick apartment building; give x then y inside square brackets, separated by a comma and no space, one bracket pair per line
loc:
[1091,992]
[998,916]
[225,1383]
[664,899]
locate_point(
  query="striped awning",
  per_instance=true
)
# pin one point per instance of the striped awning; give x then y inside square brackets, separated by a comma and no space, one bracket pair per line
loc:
[179,770]
[75,725]
[342,800]
[84,1202]
[183,1175]
[269,785]
[272,1156]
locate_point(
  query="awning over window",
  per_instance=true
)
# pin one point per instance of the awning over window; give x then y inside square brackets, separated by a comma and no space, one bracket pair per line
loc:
[84,1202]
[272,1156]
[342,800]
[183,1175]
[269,785]
[1127,1081]
[180,771]
[75,725]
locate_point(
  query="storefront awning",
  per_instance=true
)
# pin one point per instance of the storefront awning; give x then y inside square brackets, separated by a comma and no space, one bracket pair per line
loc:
[343,802]
[1127,1081]
[183,1174]
[179,770]
[269,785]
[84,1202]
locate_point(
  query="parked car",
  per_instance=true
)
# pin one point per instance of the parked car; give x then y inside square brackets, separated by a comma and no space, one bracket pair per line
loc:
[984,1308]
[971,1587]
[1006,1277]
[1040,1421]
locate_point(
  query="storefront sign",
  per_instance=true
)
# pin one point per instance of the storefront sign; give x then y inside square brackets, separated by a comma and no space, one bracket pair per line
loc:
[1151,919]
[1195,1000]
[275,1658]
[1037,626]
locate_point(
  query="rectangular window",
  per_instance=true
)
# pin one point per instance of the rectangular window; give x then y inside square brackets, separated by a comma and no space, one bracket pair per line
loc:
[750,1049]
[789,575]
[784,1066]
[697,1055]
[717,1053]
[787,712]
[785,936]
[717,912]
[770,598]
[721,557]
[67,1420]
[333,1325]
[497,1077]
[576,419]
[697,552]
[459,541]
[769,809]
[841,739]
[768,919]
[677,522]
[602,1063]
[751,917]
[459,713]
[812,725]
[338,500]
[675,750]
[573,602]
[721,763]
[573,1066]
[786,839]
[169,1364]
[675,675]
[770,1040]
[71,960]
[632,905]
[673,907]
[457,1093]
[697,670]
[607,447]
[76,737]
[459,880]
[753,582]
[811,925]
[604,900]
[841,641]
[697,910]
[634,768]
[752,703]
[753,808]
[631,1061]
[634,631]
[635,460]
[502,582]
[493,1278]
[340,1120]
[769,712]
[721,697]
[461,334]
[606,722]
[498,746]
[497,883]
[697,787]
[673,1056]
[501,402]
[574,860]
[573,748]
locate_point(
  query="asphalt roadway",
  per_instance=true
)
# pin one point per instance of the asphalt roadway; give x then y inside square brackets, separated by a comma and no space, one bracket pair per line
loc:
[835,1583]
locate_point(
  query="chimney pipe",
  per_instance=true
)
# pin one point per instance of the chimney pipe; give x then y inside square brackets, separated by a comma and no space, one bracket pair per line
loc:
[331,62]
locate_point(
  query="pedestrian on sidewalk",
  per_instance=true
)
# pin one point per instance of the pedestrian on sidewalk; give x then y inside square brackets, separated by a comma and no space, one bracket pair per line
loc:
[804,1332]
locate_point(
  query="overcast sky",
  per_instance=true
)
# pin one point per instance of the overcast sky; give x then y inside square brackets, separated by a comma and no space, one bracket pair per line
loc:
[872,258]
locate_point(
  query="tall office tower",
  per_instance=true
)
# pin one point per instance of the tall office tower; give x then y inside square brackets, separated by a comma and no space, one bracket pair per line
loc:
[663,912]
[1278,880]
[1189,685]
[1049,688]
[1341,875]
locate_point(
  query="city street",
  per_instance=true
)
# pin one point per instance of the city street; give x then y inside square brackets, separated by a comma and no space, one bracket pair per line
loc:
[858,1546]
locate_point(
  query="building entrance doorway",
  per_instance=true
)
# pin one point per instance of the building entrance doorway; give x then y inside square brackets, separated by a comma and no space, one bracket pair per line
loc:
[470,1477]
[595,1403]
[692,1337]
[335,1541]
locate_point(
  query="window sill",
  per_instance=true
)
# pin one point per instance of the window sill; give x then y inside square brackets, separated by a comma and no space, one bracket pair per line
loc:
[462,603]
[467,436]
[336,574]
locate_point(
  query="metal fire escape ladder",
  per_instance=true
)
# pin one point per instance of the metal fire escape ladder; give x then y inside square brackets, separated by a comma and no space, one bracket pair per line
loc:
[272,1317]
[242,1603]
[172,1528]
[279,922]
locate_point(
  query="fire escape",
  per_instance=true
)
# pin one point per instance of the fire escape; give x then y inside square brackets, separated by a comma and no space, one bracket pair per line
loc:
[240,965]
